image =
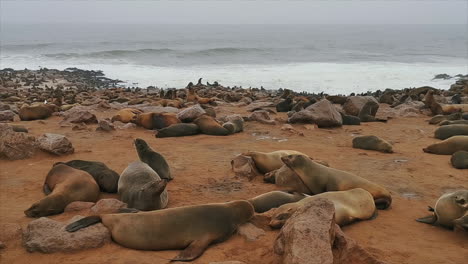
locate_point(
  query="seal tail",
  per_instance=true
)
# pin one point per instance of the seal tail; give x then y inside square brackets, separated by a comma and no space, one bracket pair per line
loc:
[82,223]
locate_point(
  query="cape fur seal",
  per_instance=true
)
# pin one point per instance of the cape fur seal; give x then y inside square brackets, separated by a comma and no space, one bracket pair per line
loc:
[286,179]
[319,179]
[63,185]
[270,161]
[39,111]
[142,188]
[448,146]
[372,143]
[274,199]
[156,120]
[126,115]
[447,131]
[209,126]
[106,178]
[459,159]
[192,228]
[178,130]
[449,210]
[155,160]
[350,205]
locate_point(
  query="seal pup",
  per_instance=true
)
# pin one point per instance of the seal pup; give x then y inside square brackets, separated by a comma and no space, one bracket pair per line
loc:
[141,187]
[372,143]
[274,199]
[155,160]
[106,178]
[319,178]
[448,146]
[448,210]
[269,161]
[192,228]
[350,206]
[63,185]
[178,130]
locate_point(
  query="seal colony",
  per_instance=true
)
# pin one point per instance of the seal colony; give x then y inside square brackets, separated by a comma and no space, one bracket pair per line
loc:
[197,111]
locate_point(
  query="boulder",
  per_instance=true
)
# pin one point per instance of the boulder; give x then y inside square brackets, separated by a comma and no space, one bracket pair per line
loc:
[311,236]
[105,125]
[55,144]
[250,231]
[322,113]
[7,115]
[78,206]
[16,145]
[189,114]
[47,236]
[354,104]
[108,206]
[80,116]
[244,166]
[259,106]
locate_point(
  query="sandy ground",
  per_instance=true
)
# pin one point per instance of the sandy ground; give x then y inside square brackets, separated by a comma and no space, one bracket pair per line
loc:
[201,167]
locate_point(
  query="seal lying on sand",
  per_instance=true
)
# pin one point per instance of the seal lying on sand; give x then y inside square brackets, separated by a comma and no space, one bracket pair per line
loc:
[286,179]
[209,126]
[372,143]
[126,115]
[155,160]
[156,120]
[447,131]
[274,199]
[106,178]
[449,210]
[351,205]
[142,188]
[448,146]
[178,130]
[319,179]
[270,161]
[192,228]
[63,185]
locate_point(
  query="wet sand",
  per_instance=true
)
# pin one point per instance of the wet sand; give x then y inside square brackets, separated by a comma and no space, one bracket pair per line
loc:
[202,171]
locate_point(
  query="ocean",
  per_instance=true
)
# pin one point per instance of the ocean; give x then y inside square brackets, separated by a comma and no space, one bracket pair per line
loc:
[337,59]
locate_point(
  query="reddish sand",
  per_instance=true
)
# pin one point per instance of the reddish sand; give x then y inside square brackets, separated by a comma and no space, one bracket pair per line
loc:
[201,167]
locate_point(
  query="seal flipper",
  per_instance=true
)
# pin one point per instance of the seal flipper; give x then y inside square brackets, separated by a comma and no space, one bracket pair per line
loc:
[194,250]
[46,189]
[431,219]
[82,223]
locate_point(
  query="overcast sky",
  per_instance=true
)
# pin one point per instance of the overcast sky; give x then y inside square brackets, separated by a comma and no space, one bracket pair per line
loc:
[236,12]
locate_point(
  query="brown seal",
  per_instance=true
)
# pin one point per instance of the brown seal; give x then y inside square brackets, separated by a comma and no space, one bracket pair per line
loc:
[209,126]
[155,160]
[372,143]
[319,179]
[39,111]
[447,131]
[192,228]
[350,205]
[62,186]
[126,115]
[141,187]
[287,179]
[178,130]
[274,199]
[450,210]
[448,146]
[270,161]
[156,120]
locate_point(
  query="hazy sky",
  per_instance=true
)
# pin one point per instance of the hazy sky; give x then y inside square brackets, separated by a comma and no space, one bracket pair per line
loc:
[236,11]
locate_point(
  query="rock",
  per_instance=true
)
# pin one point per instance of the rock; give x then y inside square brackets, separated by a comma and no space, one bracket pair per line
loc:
[337,99]
[79,116]
[350,120]
[55,144]
[4,107]
[246,100]
[244,166]
[18,128]
[157,109]
[322,113]
[261,116]
[250,232]
[259,106]
[47,236]
[311,236]
[105,125]
[459,159]
[120,125]
[16,145]
[354,105]
[189,114]
[290,129]
[78,127]
[372,143]
[228,262]
[387,98]
[307,237]
[78,206]
[7,115]
[108,206]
